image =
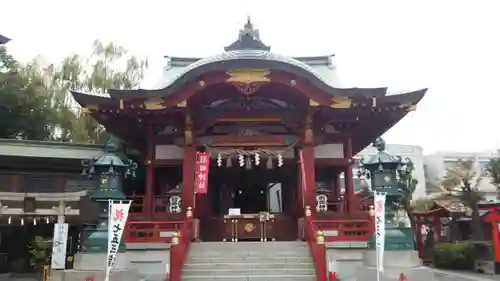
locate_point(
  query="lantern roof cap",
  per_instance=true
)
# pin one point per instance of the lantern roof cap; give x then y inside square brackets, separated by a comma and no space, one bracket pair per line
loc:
[110,157]
[381,157]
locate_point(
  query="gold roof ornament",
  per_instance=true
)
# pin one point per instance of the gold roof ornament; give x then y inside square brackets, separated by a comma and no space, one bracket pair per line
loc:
[313,103]
[154,104]
[408,107]
[247,76]
[341,102]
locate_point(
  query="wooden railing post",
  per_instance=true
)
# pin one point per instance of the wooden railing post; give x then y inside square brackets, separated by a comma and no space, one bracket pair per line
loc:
[180,246]
[321,270]
[316,242]
[173,273]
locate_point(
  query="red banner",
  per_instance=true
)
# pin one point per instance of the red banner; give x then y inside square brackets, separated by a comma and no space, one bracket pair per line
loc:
[201,172]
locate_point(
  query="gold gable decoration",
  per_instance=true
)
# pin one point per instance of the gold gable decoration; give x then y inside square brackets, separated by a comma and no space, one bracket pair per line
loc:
[313,103]
[408,106]
[154,104]
[341,102]
[248,76]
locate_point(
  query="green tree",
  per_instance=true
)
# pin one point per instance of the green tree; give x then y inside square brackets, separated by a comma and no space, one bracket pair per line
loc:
[25,104]
[494,170]
[462,179]
[109,67]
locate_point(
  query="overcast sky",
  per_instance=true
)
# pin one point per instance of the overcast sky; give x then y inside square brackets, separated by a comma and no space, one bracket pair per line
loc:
[451,47]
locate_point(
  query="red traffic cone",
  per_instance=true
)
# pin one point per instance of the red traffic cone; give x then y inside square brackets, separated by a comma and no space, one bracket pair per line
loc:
[333,276]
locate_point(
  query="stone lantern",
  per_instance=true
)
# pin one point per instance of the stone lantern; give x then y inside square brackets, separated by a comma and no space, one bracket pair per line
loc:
[392,175]
[110,170]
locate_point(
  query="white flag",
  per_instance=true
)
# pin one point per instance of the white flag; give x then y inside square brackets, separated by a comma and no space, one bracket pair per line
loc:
[59,244]
[118,214]
[380,229]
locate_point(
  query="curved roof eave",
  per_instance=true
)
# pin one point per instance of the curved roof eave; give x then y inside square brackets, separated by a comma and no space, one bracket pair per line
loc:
[412,98]
[3,39]
[86,99]
[227,61]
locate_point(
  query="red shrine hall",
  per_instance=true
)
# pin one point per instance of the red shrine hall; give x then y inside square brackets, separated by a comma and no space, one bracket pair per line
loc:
[248,140]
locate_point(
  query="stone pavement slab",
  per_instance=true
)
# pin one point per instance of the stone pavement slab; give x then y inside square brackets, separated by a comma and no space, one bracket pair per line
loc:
[450,275]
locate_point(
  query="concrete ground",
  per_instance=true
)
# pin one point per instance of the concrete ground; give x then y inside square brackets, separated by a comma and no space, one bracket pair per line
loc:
[449,275]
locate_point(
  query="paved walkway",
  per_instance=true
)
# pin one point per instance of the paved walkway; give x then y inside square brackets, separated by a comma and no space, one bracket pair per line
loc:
[449,275]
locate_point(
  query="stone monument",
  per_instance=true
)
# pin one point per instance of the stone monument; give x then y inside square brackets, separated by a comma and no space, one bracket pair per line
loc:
[392,175]
[90,262]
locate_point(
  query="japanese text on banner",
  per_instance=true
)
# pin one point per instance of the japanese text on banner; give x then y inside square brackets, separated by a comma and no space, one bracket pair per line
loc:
[201,172]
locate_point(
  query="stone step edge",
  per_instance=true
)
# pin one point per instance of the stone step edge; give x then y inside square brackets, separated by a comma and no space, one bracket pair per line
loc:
[245,257]
[249,263]
[250,276]
[244,269]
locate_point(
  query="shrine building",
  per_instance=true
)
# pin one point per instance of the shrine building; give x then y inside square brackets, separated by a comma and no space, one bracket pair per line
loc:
[279,134]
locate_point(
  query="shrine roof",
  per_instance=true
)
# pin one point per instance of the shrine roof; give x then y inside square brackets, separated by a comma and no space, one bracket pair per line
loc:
[247,52]
[309,60]
[3,39]
[49,149]
[114,97]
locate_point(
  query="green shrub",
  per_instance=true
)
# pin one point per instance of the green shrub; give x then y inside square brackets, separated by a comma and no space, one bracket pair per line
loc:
[453,255]
[482,250]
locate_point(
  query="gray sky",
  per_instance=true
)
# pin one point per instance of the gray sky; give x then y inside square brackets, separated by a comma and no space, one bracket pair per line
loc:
[452,47]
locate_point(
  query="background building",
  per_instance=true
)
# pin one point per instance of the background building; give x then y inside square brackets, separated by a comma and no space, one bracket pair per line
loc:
[437,164]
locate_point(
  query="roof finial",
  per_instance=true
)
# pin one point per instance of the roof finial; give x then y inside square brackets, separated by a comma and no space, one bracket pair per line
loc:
[248,38]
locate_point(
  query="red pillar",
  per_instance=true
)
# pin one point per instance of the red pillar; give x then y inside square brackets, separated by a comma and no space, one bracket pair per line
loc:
[149,196]
[188,165]
[336,183]
[437,228]
[300,187]
[495,237]
[310,174]
[349,183]
[418,234]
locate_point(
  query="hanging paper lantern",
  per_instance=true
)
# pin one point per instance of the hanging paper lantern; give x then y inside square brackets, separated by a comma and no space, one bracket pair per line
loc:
[219,160]
[9,221]
[280,160]
[249,162]
[257,159]
[34,221]
[241,159]
[22,221]
[269,164]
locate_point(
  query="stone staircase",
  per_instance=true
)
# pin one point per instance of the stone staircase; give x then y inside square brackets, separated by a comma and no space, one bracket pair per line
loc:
[249,261]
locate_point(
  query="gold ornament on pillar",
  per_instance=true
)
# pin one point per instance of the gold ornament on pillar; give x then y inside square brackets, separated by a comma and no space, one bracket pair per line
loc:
[188,132]
[308,212]
[308,132]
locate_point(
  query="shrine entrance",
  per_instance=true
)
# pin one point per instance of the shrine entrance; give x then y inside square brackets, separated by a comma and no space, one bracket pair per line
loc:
[250,204]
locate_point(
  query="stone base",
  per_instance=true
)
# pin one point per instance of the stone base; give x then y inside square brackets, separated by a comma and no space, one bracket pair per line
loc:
[93,261]
[97,275]
[395,264]
[93,266]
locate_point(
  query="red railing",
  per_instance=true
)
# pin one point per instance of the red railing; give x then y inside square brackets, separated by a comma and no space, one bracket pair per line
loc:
[317,245]
[314,238]
[180,247]
[150,231]
[346,230]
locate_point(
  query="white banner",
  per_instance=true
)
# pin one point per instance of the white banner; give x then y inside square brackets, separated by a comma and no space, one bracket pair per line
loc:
[59,244]
[118,214]
[380,229]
